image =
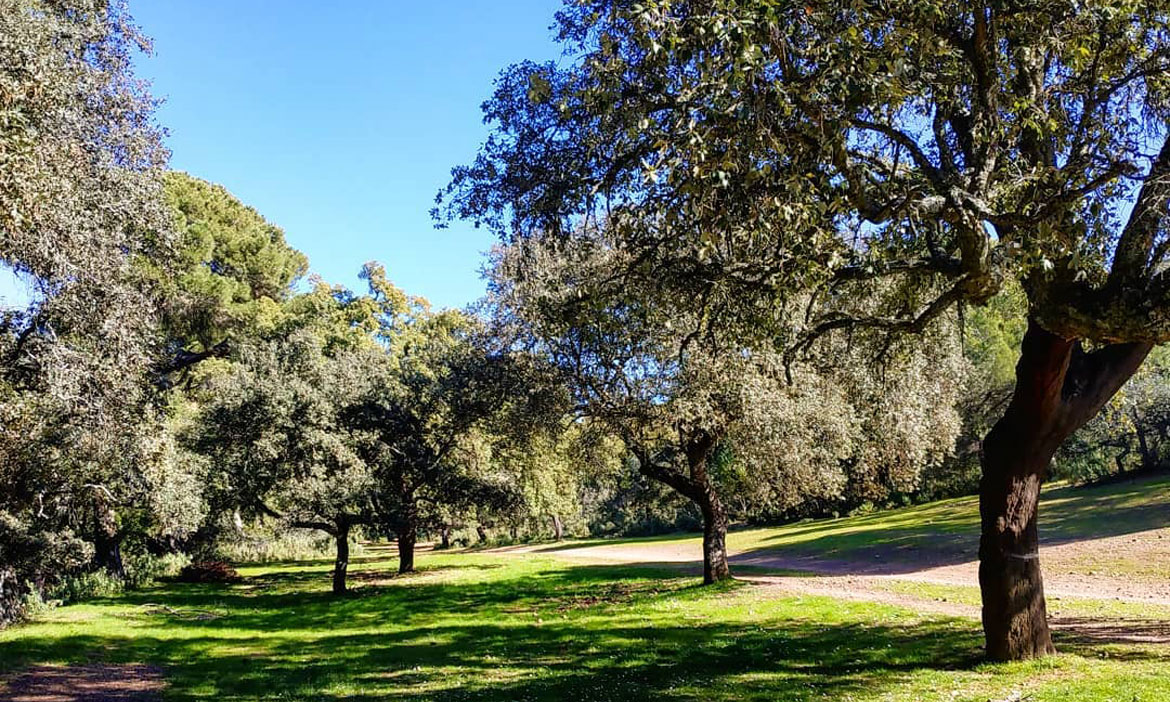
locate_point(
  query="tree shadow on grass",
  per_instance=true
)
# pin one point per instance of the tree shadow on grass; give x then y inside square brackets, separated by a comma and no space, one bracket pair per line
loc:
[568,633]
[575,632]
[947,532]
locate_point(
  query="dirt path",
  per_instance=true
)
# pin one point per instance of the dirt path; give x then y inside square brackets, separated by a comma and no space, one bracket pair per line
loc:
[1079,569]
[85,683]
[869,580]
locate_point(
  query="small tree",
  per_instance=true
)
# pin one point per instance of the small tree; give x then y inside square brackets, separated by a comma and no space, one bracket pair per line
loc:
[417,415]
[272,433]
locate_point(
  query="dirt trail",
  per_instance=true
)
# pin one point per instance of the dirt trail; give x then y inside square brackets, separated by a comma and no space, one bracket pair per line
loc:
[868,579]
[85,683]
[1075,569]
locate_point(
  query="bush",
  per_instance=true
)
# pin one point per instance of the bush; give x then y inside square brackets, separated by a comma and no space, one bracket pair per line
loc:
[209,572]
[34,604]
[288,545]
[85,586]
[142,570]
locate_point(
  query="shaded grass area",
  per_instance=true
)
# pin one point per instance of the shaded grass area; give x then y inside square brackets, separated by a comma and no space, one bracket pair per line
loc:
[476,627]
[947,531]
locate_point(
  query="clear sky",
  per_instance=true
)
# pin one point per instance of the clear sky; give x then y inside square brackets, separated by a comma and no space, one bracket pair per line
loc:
[339,121]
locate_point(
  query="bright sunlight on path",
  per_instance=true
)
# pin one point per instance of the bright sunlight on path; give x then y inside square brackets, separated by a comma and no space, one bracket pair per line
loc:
[1088,552]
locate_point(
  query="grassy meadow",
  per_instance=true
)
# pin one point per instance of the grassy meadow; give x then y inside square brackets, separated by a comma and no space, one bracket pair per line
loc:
[492,626]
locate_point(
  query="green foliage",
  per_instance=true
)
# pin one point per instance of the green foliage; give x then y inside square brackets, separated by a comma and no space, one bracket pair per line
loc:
[233,271]
[80,207]
[88,585]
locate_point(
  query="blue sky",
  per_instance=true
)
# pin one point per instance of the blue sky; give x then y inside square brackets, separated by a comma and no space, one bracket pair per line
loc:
[339,121]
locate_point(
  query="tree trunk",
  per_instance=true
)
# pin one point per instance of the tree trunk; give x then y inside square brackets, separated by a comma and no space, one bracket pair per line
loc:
[715,566]
[407,537]
[558,528]
[1148,460]
[445,537]
[481,533]
[107,554]
[1058,388]
[698,488]
[341,565]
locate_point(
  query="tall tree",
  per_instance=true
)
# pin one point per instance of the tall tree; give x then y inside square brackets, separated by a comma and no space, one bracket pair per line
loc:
[80,208]
[231,276]
[755,147]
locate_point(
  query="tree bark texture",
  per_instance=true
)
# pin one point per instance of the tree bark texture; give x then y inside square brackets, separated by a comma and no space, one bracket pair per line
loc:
[407,538]
[1059,387]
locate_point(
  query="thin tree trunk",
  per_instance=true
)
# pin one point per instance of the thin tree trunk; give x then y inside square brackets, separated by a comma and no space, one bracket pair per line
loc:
[481,533]
[445,537]
[407,537]
[1058,388]
[558,528]
[1147,455]
[341,565]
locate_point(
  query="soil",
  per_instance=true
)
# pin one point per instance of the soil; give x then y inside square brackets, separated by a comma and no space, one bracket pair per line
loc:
[1124,568]
[85,683]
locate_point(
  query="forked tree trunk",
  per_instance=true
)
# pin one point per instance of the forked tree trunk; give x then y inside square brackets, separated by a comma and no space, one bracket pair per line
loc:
[341,564]
[481,532]
[558,528]
[407,537]
[1059,387]
[697,487]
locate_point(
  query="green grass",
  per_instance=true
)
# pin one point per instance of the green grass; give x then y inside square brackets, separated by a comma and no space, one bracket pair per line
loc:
[1057,606]
[948,531]
[480,627]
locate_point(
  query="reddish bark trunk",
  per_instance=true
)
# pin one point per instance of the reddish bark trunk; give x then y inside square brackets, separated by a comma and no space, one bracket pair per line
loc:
[1059,387]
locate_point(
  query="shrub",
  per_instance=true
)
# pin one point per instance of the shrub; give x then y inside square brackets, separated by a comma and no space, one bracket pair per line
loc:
[288,545]
[209,572]
[85,586]
[142,570]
